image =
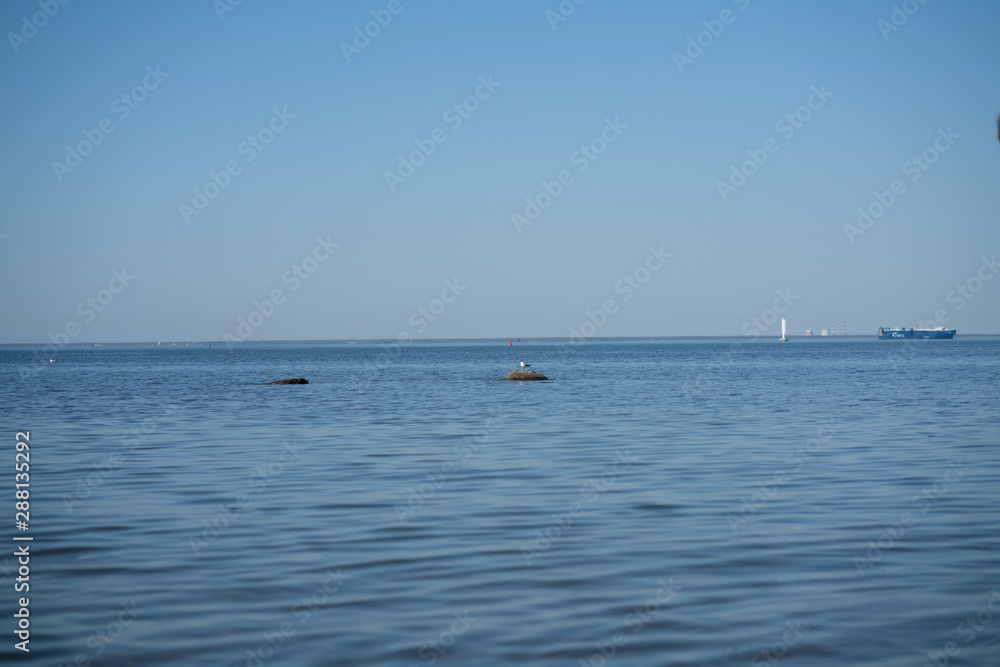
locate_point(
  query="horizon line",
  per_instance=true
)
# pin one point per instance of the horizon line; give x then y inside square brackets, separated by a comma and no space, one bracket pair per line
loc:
[371,341]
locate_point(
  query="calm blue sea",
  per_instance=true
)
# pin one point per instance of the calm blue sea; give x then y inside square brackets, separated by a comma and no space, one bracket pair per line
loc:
[670,502]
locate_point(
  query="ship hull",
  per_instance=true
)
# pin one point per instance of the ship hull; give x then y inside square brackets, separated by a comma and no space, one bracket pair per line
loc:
[911,334]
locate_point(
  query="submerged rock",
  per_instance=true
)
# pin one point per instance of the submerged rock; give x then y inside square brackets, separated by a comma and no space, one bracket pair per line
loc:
[524,374]
[291,381]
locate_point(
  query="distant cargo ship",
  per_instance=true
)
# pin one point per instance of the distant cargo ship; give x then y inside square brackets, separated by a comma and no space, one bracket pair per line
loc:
[892,334]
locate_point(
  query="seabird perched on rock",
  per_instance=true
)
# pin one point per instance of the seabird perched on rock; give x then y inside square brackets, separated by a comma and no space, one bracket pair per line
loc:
[524,365]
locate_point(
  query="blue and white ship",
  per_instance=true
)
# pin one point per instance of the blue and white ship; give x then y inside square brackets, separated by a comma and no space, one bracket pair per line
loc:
[884,333]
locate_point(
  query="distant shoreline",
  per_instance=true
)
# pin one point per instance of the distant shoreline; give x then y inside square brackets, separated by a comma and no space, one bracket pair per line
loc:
[464,341]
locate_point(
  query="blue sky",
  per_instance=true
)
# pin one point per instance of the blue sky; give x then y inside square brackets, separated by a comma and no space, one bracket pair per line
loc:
[224,79]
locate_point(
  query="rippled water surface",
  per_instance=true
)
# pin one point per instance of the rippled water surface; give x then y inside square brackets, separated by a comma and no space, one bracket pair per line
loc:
[658,503]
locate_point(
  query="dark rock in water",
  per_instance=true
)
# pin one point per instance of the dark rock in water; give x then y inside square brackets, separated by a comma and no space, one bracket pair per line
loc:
[524,374]
[291,381]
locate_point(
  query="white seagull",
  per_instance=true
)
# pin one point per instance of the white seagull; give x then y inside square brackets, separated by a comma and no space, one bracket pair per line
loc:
[524,365]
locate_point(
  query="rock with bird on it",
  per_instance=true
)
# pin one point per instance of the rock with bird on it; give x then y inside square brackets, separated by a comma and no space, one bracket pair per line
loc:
[290,381]
[524,374]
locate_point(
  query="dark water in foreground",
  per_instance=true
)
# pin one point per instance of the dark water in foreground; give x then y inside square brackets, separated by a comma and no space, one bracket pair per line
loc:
[670,503]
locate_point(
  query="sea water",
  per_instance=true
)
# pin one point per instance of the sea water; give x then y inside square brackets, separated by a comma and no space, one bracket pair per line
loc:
[664,502]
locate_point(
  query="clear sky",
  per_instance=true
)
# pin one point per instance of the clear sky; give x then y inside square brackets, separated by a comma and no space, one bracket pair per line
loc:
[114,114]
